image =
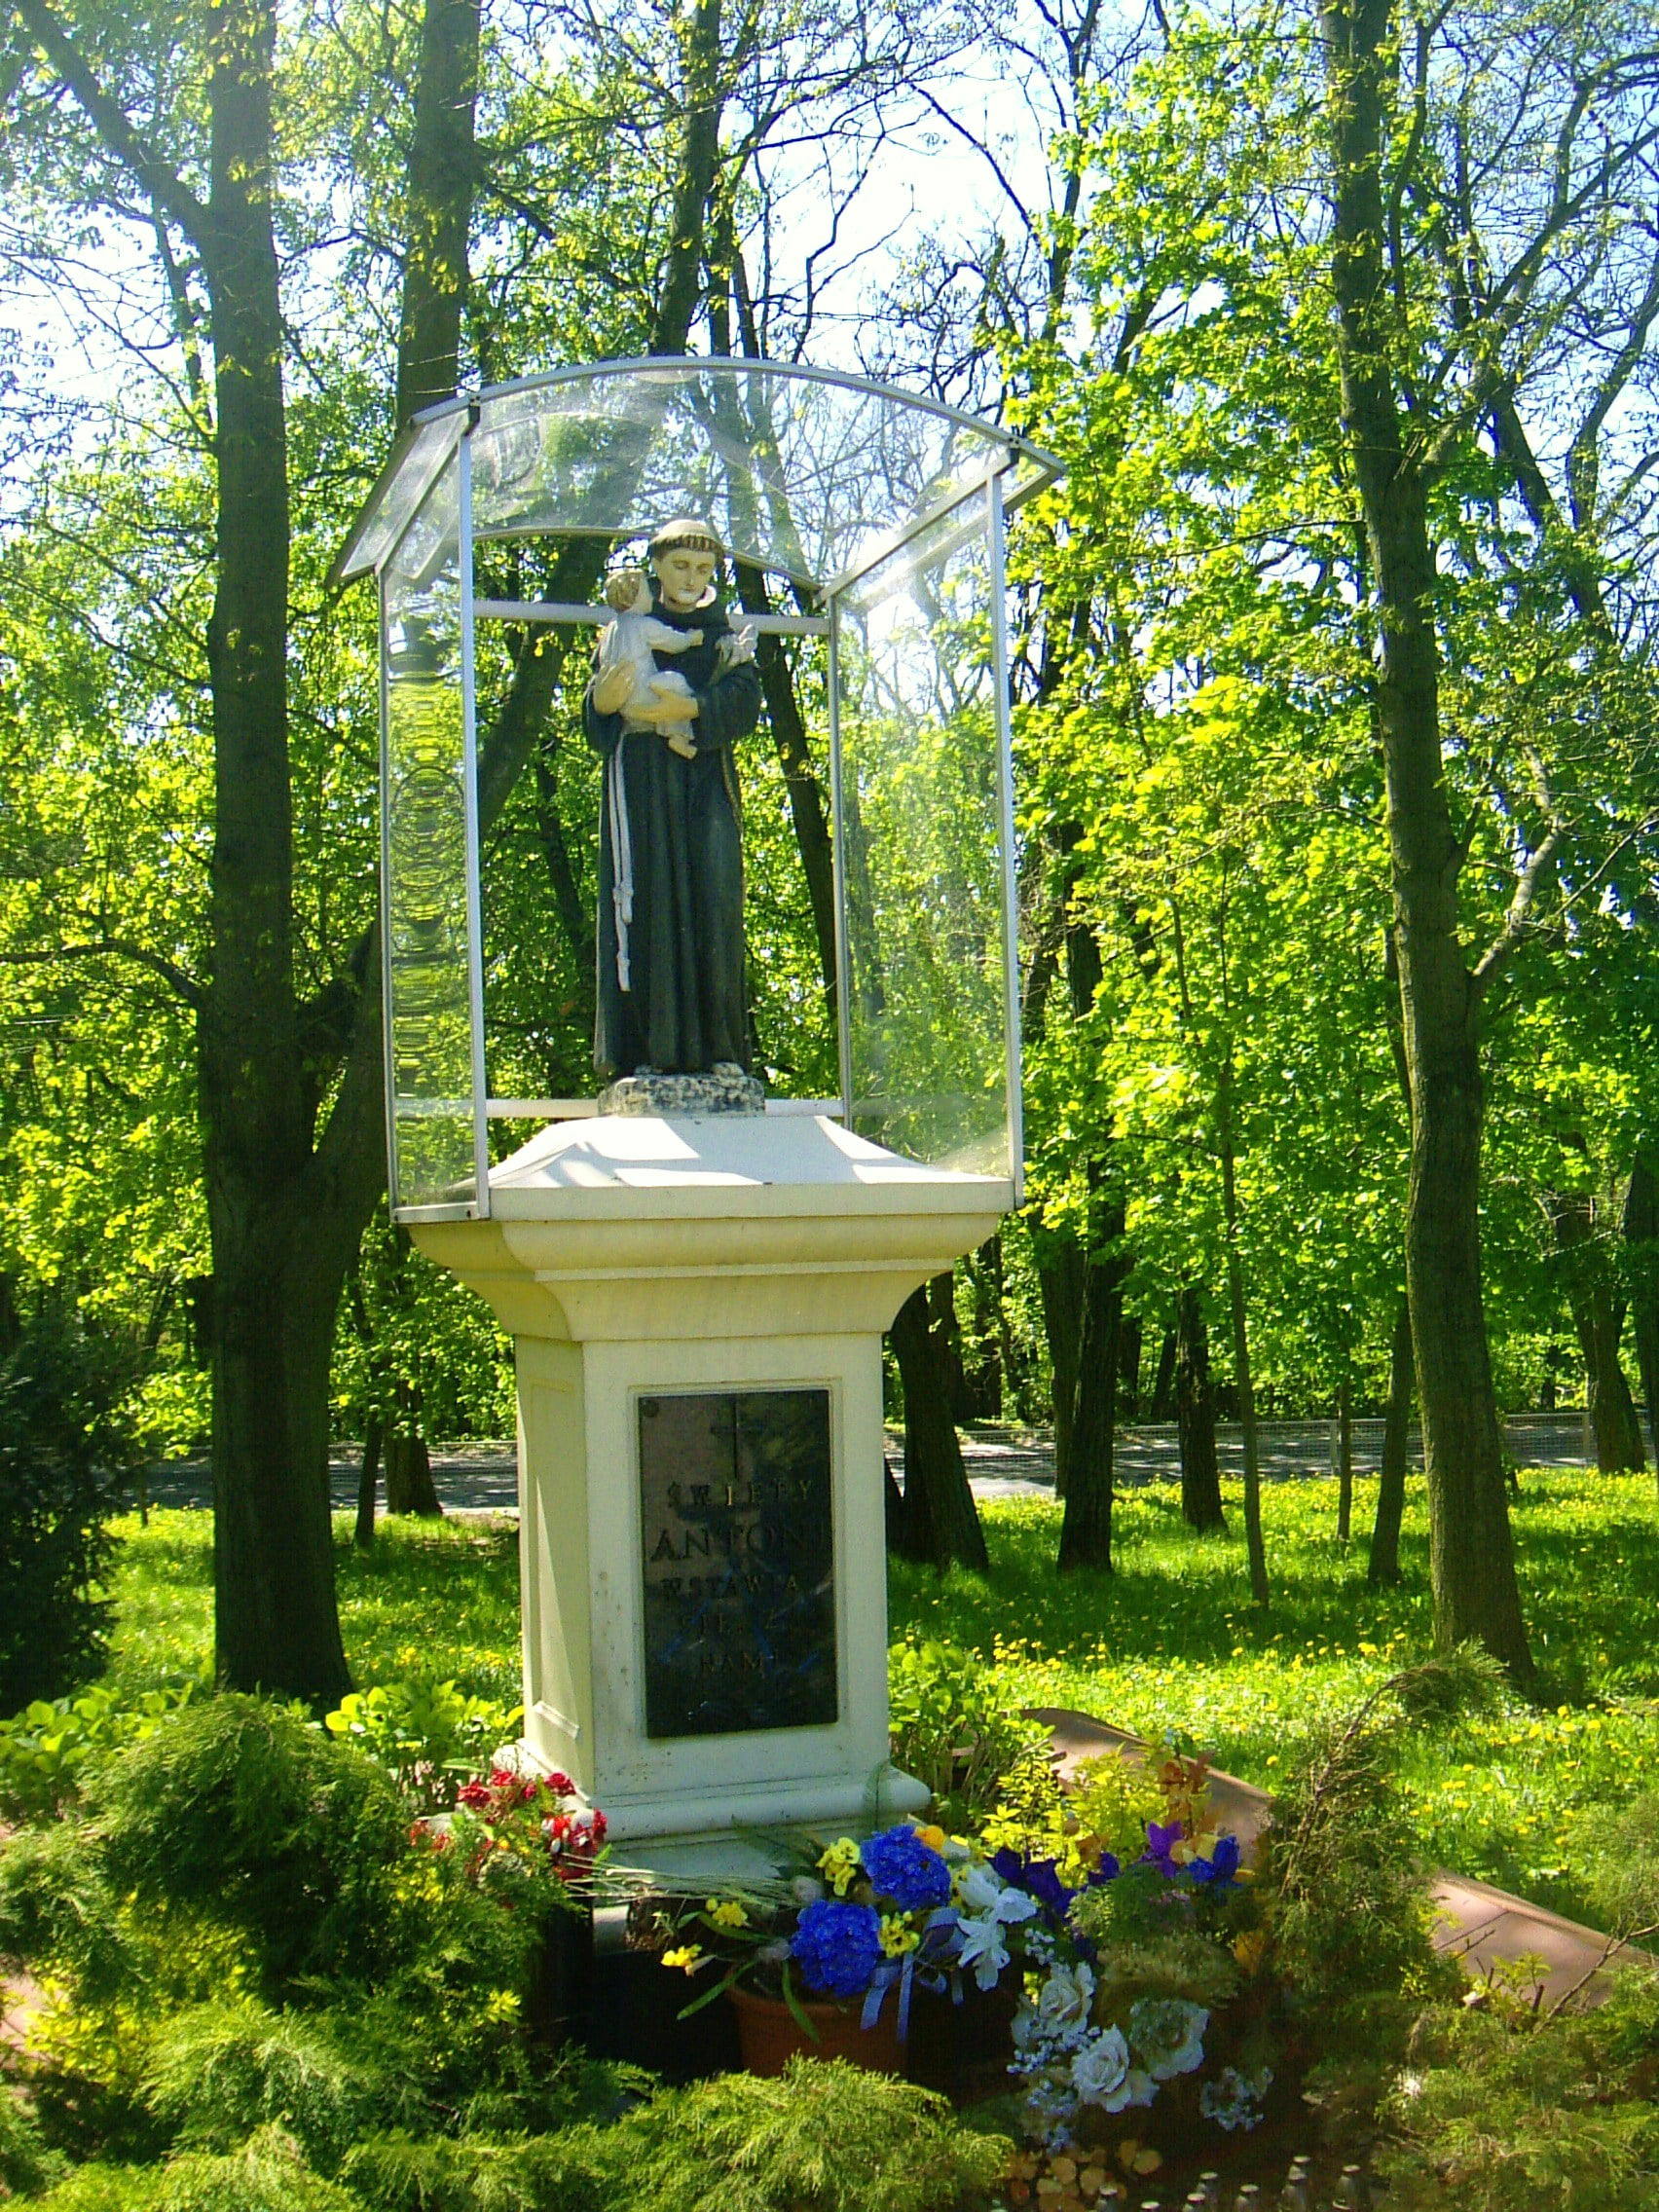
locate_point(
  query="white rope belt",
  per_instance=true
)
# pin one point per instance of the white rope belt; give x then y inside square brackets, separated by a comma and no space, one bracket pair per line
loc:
[621,860]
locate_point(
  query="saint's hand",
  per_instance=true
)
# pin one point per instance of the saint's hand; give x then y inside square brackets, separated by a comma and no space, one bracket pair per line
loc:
[612,686]
[672,706]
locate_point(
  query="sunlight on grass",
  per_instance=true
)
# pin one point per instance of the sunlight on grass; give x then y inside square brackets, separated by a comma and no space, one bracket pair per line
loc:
[1168,1641]
[434,1600]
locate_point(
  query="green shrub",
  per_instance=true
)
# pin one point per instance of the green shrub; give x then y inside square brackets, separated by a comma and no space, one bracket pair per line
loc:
[953,1727]
[64,1456]
[58,1910]
[265,2174]
[238,1809]
[825,2138]
[1350,1901]
[26,2166]
[218,2072]
[246,1929]
[100,2188]
[1512,2112]
[45,1748]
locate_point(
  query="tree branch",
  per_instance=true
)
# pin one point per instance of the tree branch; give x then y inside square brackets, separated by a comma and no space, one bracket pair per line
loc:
[1519,923]
[120,948]
[109,119]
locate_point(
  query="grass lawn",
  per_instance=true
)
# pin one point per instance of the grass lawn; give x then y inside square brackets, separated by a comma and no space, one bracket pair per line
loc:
[1168,1641]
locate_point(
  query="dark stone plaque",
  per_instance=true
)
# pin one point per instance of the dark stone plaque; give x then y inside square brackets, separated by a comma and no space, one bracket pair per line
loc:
[739,1560]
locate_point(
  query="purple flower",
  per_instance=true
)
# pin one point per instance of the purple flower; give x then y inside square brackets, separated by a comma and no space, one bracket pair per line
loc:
[1107,1870]
[904,1868]
[1221,1866]
[838,1947]
[1160,1842]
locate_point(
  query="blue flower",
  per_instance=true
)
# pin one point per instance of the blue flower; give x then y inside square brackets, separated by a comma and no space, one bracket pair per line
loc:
[1160,1841]
[904,1868]
[838,1947]
[1038,1877]
[1234,2099]
[1221,1868]
[1166,2034]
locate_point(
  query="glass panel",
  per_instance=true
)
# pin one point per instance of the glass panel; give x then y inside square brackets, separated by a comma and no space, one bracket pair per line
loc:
[399,493]
[428,1030]
[924,912]
[807,475]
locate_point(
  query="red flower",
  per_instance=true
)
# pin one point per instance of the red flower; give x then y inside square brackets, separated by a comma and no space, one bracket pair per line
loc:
[560,1784]
[475,1795]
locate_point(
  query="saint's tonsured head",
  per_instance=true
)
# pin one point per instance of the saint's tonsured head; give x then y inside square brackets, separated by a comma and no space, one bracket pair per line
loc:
[684,556]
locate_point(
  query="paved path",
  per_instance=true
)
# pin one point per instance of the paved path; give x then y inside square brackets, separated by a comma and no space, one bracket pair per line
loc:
[1002,1461]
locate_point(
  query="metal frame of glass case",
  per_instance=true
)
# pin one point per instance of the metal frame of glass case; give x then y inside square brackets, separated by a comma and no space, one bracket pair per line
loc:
[886,513]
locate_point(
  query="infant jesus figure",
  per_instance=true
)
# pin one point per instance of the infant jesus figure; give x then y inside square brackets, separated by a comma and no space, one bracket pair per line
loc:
[629,642]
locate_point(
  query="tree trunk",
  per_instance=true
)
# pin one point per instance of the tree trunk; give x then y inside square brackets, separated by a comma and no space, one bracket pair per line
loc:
[1194,1414]
[947,1336]
[1598,1319]
[1129,1348]
[1641,1262]
[277,1627]
[1254,1545]
[1476,1594]
[1086,1530]
[1163,1403]
[1060,1274]
[368,1474]
[439,206]
[409,1487]
[1343,1437]
[1385,1564]
[941,1524]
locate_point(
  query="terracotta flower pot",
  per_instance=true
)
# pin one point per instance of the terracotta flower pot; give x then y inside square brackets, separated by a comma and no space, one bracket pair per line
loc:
[769,2035]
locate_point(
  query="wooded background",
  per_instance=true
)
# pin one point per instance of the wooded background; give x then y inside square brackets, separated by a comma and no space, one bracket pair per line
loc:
[1338,792]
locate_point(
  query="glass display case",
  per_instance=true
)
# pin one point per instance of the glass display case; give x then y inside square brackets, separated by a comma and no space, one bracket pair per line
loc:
[884,515]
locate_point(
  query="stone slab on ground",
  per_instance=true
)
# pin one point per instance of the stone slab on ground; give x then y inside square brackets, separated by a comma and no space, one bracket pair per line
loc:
[1479,1925]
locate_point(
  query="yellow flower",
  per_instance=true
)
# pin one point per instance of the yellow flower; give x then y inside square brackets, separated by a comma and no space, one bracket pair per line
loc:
[726,1912]
[839,1864]
[688,1955]
[898,1935]
[933,1838]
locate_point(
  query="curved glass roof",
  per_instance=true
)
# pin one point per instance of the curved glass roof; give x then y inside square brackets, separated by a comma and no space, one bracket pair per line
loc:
[807,472]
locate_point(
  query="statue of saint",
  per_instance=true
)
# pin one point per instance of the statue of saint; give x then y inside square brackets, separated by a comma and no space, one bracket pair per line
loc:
[675,685]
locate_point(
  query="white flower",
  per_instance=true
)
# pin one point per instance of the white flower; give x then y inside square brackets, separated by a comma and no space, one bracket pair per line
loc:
[1102,2075]
[1064,2001]
[1167,2033]
[982,1948]
[983,1891]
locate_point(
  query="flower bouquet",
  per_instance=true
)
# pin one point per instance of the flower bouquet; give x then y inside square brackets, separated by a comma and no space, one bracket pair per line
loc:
[908,1908]
[539,1822]
[1145,1961]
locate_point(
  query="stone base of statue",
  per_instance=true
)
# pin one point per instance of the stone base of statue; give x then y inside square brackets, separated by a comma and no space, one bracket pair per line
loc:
[697,1307]
[725,1089]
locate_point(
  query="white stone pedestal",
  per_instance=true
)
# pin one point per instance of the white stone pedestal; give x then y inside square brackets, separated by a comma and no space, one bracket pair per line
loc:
[639,1259]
